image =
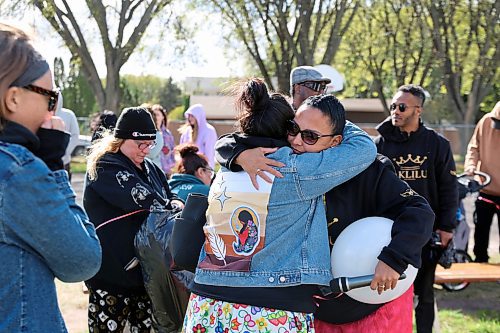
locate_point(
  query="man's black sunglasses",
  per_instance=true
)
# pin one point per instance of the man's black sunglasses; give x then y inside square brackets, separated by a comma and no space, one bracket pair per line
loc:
[402,107]
[52,94]
[316,86]
[308,137]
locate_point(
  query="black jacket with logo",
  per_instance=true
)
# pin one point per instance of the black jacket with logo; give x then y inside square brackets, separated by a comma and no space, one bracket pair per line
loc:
[122,188]
[424,160]
[377,191]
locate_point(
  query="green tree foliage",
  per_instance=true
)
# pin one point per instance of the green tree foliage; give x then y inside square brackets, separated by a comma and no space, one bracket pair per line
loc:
[281,34]
[391,42]
[77,93]
[75,89]
[117,25]
[466,36]
[171,95]
[150,89]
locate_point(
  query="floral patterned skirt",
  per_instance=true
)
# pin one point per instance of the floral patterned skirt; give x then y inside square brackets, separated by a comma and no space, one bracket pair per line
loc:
[206,315]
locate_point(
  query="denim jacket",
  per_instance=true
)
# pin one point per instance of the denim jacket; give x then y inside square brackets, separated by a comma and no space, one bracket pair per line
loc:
[43,234]
[277,236]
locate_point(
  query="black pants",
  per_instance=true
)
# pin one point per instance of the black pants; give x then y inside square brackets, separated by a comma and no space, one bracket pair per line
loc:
[110,312]
[483,218]
[424,290]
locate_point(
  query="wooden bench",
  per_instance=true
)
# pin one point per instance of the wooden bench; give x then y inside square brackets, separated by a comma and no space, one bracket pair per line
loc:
[468,272]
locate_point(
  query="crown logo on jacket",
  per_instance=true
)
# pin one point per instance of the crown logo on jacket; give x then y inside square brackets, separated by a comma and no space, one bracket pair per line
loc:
[416,161]
[410,168]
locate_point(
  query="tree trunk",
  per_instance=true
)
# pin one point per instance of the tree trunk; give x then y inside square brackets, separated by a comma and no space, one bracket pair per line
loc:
[381,96]
[113,91]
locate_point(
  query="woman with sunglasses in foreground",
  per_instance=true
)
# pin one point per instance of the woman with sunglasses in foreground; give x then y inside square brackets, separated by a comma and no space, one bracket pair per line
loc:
[44,234]
[121,188]
[267,249]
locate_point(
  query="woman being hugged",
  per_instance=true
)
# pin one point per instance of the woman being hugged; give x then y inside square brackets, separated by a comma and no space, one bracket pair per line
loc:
[266,250]
[121,188]
[44,234]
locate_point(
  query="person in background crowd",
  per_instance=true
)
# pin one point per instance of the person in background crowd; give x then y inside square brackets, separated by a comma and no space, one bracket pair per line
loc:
[71,127]
[423,159]
[306,81]
[193,175]
[121,187]
[102,122]
[167,156]
[199,132]
[44,234]
[483,156]
[155,152]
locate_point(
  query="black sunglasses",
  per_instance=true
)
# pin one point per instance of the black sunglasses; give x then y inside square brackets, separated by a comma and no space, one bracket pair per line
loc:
[316,86]
[401,106]
[309,137]
[52,94]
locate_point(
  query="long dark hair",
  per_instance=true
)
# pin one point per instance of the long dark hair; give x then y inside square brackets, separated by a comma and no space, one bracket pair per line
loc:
[261,113]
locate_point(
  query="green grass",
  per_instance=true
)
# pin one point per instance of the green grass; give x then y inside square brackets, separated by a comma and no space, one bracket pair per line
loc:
[475,309]
[78,164]
[479,322]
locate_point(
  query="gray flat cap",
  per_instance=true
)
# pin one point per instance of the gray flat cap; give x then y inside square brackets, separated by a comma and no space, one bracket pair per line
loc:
[307,73]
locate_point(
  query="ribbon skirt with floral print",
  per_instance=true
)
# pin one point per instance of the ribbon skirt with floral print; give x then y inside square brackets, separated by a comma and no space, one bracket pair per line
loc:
[206,315]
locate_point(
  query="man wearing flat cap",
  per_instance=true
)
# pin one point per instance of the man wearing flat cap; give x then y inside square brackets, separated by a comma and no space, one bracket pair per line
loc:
[306,81]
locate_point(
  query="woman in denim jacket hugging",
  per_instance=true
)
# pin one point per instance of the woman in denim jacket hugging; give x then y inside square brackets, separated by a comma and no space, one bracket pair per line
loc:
[266,250]
[43,233]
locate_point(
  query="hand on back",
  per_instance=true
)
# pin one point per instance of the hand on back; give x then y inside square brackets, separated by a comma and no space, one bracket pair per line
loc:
[254,162]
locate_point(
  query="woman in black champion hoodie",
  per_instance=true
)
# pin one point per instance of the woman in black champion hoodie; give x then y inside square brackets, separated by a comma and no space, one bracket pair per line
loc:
[121,188]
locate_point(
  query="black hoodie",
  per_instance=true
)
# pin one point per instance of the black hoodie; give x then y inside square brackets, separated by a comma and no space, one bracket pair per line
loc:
[119,189]
[377,191]
[425,161]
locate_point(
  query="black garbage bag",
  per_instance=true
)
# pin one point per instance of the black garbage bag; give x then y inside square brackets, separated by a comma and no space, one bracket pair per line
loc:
[187,235]
[168,290]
